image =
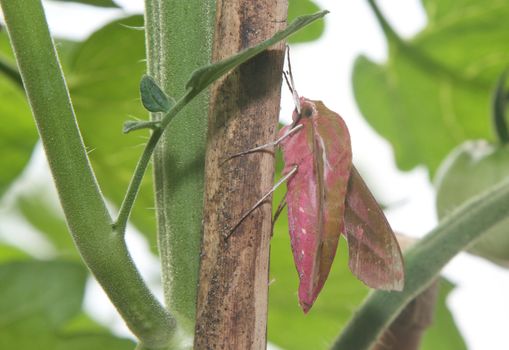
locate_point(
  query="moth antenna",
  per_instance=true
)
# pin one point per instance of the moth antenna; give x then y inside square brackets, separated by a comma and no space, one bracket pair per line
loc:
[285,75]
[291,84]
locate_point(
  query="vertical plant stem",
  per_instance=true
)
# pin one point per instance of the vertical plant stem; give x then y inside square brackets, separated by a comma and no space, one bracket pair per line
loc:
[232,298]
[179,38]
[103,251]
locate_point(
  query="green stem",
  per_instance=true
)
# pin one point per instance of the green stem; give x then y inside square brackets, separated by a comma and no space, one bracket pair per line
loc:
[499,104]
[389,32]
[420,58]
[178,39]
[423,263]
[141,167]
[104,252]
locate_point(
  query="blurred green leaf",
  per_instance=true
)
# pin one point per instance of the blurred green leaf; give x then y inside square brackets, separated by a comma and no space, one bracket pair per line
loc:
[48,220]
[10,253]
[5,46]
[36,291]
[103,75]
[82,323]
[37,299]
[443,333]
[17,132]
[93,341]
[65,49]
[313,31]
[434,90]
[100,3]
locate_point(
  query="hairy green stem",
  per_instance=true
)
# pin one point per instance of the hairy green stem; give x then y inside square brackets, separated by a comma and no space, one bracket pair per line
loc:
[423,263]
[179,38]
[104,251]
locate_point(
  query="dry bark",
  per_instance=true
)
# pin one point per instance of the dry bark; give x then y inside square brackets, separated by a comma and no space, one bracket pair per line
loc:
[244,107]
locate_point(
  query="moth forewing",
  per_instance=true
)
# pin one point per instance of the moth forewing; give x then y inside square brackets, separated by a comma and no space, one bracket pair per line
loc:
[374,254]
[316,194]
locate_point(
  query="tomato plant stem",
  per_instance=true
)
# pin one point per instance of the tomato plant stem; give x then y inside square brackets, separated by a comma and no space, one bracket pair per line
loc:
[103,251]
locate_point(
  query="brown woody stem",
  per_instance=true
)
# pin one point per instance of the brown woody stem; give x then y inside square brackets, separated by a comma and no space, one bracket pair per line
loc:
[232,296]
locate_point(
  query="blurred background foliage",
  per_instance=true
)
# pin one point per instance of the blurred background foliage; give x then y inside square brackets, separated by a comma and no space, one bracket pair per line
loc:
[435,86]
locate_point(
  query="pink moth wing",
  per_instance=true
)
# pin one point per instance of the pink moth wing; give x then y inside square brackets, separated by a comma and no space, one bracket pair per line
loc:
[318,212]
[375,256]
[316,205]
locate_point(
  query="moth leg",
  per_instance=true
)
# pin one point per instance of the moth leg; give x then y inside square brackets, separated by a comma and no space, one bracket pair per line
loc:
[280,207]
[264,197]
[267,145]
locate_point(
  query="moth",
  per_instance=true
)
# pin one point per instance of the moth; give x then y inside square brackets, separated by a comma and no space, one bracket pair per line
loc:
[327,198]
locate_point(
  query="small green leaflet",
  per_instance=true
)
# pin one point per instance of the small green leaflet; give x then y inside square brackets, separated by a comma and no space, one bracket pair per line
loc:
[132,125]
[153,97]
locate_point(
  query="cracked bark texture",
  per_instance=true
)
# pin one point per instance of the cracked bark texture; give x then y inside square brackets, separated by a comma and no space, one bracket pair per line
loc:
[244,108]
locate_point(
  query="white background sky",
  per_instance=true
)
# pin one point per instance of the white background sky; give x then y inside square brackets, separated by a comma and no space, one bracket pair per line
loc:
[322,71]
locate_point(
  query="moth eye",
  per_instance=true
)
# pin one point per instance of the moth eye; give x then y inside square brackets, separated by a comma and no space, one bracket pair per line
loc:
[307,112]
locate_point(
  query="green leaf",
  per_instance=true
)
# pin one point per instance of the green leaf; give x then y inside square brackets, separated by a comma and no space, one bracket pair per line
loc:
[203,77]
[36,291]
[153,97]
[423,263]
[103,75]
[17,132]
[93,341]
[49,221]
[100,3]
[38,299]
[434,90]
[10,253]
[314,30]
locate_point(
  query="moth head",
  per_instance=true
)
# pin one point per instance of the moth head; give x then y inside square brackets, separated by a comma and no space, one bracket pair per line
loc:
[307,108]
